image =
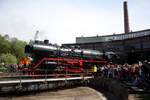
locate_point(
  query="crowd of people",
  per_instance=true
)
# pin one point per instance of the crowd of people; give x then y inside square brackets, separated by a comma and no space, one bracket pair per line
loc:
[138,73]
[12,67]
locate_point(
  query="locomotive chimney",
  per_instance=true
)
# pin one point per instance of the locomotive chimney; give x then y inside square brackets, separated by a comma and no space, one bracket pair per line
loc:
[126,19]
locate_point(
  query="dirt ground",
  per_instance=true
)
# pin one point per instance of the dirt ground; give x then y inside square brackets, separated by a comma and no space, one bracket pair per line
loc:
[80,93]
[139,97]
[134,97]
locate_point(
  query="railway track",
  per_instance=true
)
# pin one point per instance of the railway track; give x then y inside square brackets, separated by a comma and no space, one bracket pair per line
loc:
[27,83]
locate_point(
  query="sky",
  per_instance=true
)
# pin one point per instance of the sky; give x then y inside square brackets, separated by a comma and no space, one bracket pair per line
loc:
[61,21]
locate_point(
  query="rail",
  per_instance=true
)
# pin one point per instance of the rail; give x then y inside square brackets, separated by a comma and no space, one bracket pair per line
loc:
[24,81]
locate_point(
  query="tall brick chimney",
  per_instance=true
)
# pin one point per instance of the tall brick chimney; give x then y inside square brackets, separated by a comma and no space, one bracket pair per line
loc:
[126,19]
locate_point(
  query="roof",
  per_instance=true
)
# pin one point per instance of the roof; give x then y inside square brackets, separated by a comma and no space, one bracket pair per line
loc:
[106,38]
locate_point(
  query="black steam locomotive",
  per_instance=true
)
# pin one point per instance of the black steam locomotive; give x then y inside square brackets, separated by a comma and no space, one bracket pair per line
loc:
[58,60]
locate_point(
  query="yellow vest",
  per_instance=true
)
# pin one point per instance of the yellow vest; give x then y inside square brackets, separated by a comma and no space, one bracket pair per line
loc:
[95,68]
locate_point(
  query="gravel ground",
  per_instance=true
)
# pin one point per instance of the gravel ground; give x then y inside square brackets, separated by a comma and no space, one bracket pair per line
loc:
[80,93]
[134,97]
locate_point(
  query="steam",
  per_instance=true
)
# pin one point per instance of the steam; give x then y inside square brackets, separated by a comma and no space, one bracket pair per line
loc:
[40,35]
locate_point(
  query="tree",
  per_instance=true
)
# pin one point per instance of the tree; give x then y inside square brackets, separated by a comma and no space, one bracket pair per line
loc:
[4,44]
[12,46]
[6,37]
[31,42]
[17,48]
[8,58]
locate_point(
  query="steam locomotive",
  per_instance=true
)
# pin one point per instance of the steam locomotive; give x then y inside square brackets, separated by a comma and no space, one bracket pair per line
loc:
[58,61]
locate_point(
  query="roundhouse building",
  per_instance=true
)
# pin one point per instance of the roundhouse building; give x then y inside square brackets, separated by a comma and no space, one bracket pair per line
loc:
[133,45]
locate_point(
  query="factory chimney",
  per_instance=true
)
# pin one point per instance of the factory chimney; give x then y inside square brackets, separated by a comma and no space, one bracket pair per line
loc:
[126,19]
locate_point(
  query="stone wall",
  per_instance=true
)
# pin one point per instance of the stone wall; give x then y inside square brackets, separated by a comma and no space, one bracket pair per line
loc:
[111,88]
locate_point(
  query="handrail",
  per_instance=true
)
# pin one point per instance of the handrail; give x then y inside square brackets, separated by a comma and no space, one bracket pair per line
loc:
[68,60]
